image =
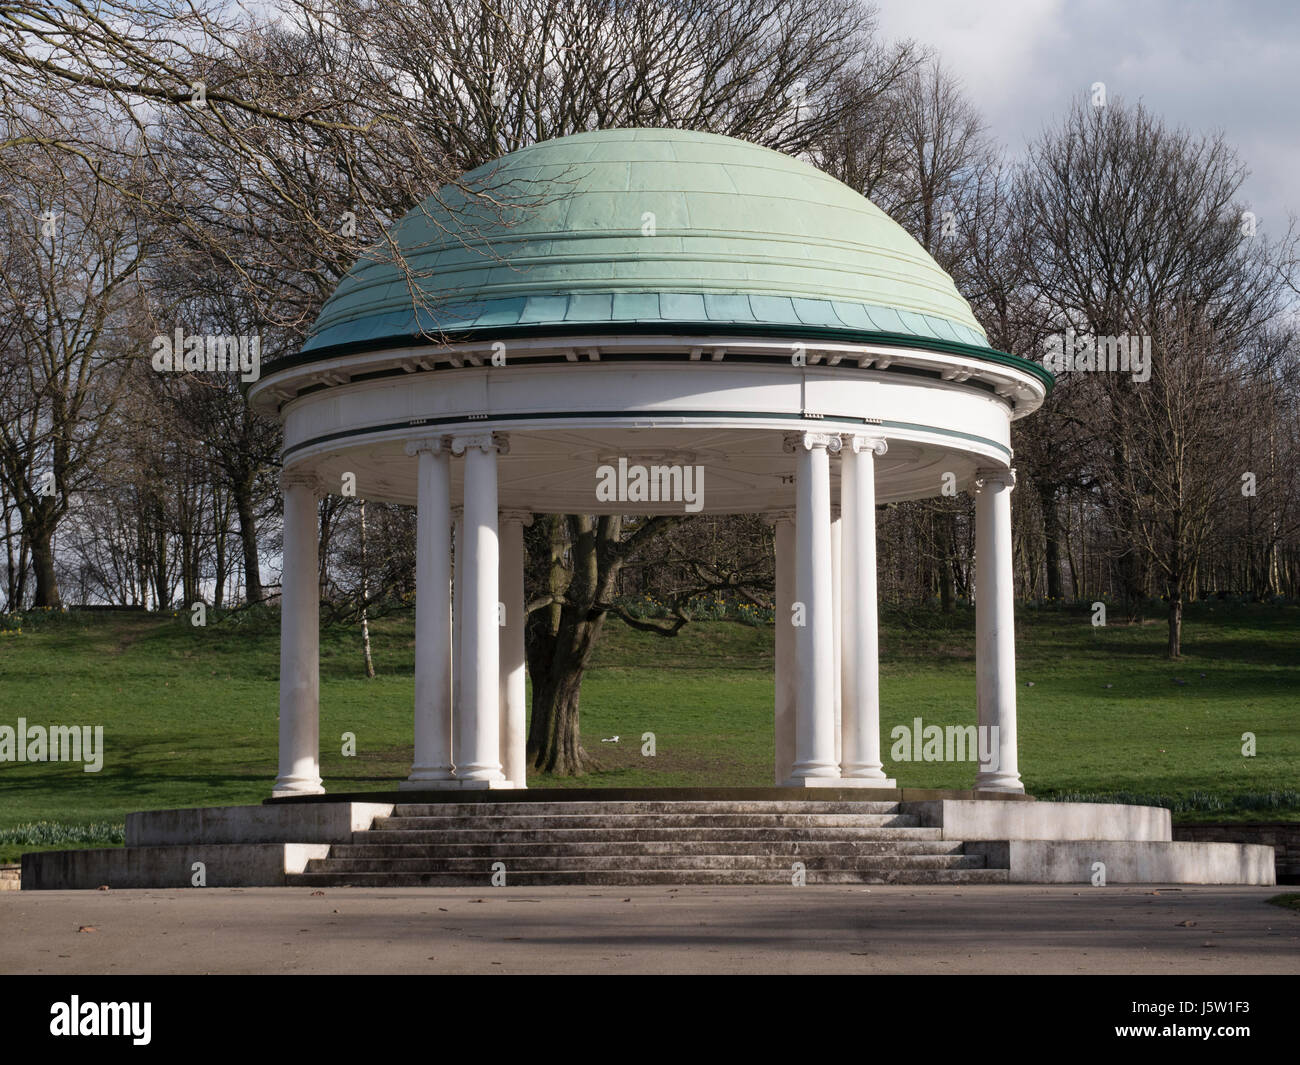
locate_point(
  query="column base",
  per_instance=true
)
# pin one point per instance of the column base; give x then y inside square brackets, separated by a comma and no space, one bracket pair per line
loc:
[836,782]
[866,776]
[455,784]
[1000,782]
[297,786]
[414,783]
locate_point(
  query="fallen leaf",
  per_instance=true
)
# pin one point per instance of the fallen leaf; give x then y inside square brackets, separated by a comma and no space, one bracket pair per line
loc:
[87,928]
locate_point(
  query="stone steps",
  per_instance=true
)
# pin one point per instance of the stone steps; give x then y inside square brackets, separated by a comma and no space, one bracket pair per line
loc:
[647,842]
[613,835]
[508,822]
[666,806]
[793,849]
[628,878]
[634,862]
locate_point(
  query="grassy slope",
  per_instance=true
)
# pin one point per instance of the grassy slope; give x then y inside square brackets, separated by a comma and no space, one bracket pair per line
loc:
[190,714]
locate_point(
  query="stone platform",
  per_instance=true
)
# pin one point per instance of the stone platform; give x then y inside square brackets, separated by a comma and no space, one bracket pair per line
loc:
[650,836]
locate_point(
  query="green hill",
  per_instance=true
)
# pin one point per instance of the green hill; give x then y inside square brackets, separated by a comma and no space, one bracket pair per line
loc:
[189,714]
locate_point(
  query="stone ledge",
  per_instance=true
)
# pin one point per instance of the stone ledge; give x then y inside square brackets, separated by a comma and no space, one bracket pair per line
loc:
[1054,861]
[807,794]
[965,819]
[324,822]
[1282,836]
[226,865]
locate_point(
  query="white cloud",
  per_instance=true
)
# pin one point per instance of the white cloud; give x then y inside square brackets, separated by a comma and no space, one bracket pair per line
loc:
[1206,65]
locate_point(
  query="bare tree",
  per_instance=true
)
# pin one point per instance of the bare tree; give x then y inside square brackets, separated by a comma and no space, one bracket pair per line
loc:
[69,280]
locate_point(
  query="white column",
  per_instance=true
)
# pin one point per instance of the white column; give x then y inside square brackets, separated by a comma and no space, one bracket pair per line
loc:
[837,612]
[432,766]
[860,761]
[514,711]
[457,616]
[786,680]
[815,764]
[478,761]
[299,640]
[995,628]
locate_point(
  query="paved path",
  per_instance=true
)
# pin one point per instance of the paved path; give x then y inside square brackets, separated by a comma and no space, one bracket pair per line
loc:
[840,929]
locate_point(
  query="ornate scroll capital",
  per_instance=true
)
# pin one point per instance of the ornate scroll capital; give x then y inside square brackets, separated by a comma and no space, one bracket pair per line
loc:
[807,441]
[498,442]
[860,442]
[435,444]
[294,477]
[1003,477]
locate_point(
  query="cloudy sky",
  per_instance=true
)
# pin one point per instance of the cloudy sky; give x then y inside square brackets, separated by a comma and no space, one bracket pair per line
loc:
[1201,64]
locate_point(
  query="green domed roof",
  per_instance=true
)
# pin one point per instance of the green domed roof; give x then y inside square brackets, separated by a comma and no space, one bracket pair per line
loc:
[744,239]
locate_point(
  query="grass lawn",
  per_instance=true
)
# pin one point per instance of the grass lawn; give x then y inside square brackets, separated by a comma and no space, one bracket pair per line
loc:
[189,714]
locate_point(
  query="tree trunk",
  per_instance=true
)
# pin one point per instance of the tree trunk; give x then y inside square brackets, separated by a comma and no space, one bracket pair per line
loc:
[12,602]
[1175,622]
[47,585]
[944,529]
[219,565]
[553,740]
[365,594]
[560,644]
[189,563]
[1051,539]
[253,591]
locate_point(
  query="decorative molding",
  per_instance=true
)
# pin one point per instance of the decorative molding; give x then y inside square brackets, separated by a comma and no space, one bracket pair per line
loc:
[809,440]
[498,442]
[295,478]
[858,443]
[677,417]
[999,478]
[435,444]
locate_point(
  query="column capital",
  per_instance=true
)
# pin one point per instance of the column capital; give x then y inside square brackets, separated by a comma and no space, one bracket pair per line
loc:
[523,517]
[300,478]
[486,442]
[808,440]
[997,477]
[776,517]
[860,442]
[436,444]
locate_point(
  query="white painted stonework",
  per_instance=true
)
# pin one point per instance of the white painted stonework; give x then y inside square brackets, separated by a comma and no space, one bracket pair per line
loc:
[478,447]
